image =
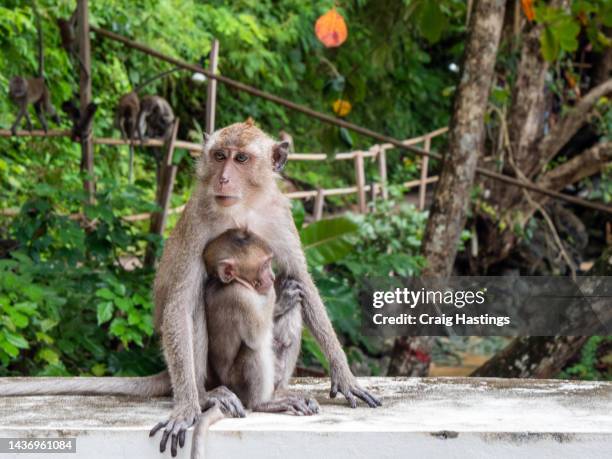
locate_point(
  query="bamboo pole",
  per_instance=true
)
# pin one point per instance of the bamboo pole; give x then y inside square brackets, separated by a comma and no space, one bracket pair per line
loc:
[382,172]
[361,186]
[424,166]
[211,90]
[165,184]
[318,205]
[87,154]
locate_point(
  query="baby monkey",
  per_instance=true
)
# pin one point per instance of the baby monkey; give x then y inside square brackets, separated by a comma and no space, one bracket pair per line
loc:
[240,301]
[240,305]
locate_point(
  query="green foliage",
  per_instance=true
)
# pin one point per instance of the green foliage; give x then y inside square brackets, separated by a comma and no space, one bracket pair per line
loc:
[384,242]
[561,27]
[67,306]
[593,364]
[325,241]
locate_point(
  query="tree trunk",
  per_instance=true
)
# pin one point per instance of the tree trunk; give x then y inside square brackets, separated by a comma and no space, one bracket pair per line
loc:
[466,136]
[532,357]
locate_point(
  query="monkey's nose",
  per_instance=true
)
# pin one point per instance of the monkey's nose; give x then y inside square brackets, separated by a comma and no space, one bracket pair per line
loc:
[223,180]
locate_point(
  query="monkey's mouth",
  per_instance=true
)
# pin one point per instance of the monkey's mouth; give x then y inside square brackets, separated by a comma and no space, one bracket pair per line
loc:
[226,200]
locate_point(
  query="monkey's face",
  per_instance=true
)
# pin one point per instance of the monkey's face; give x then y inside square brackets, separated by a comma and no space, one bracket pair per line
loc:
[263,279]
[239,161]
[18,87]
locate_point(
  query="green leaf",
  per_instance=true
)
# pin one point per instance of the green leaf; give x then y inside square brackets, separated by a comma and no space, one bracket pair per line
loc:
[104,312]
[125,304]
[549,45]
[20,320]
[567,32]
[99,369]
[346,137]
[48,355]
[105,293]
[16,340]
[9,348]
[431,20]
[324,241]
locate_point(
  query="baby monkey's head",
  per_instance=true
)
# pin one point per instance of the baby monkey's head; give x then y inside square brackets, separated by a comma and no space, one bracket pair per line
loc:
[242,256]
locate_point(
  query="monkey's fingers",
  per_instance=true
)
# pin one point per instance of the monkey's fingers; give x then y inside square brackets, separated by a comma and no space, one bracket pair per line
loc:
[173,445]
[334,390]
[182,438]
[350,397]
[313,405]
[157,428]
[371,400]
[164,440]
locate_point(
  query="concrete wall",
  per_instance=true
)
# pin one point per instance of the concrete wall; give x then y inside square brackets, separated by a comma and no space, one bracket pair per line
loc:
[421,418]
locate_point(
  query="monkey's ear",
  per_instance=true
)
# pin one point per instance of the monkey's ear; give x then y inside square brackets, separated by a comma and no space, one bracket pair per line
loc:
[280,153]
[227,270]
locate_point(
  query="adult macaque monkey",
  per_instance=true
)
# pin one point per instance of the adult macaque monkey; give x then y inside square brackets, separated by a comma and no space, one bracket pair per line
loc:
[68,35]
[26,91]
[236,185]
[126,119]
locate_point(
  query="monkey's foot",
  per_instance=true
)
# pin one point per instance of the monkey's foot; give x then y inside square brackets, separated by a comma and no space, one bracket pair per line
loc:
[225,399]
[298,405]
[180,420]
[348,386]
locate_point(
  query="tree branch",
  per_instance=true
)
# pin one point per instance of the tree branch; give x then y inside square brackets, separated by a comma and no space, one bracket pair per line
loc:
[587,163]
[569,125]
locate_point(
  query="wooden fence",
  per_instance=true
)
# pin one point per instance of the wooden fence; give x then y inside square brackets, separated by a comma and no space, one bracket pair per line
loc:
[165,180]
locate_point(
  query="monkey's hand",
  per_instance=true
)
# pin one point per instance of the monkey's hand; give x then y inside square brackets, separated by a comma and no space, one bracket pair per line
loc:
[343,381]
[225,399]
[182,417]
[290,295]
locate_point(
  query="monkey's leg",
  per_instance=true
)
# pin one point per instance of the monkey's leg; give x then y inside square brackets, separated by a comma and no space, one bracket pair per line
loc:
[40,114]
[22,111]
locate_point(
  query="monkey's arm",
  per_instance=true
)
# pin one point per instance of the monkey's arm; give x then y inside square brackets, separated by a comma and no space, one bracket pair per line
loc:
[315,316]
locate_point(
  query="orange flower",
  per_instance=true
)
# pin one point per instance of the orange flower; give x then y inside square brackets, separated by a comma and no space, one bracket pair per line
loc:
[528,9]
[331,29]
[342,107]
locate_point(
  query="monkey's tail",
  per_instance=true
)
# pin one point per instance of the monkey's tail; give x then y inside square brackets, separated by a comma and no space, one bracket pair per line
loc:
[200,432]
[41,56]
[131,163]
[146,386]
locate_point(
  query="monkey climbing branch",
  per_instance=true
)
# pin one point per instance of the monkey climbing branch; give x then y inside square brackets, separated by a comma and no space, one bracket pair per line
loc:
[342,123]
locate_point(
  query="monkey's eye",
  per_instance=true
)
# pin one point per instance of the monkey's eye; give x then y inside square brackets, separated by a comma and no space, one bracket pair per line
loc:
[241,157]
[219,155]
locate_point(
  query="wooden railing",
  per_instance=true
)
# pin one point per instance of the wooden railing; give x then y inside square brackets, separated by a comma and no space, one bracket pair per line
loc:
[376,153]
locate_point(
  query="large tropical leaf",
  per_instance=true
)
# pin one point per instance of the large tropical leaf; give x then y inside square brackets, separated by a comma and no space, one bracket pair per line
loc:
[326,241]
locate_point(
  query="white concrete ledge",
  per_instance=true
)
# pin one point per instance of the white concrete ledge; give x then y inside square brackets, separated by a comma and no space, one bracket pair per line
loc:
[421,418]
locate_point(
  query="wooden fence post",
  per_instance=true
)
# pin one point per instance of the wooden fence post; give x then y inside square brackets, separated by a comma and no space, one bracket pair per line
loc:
[382,171]
[424,166]
[211,91]
[318,205]
[165,184]
[360,178]
[87,158]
